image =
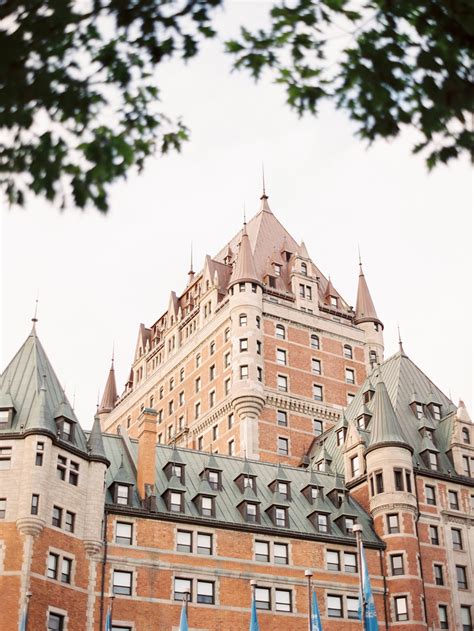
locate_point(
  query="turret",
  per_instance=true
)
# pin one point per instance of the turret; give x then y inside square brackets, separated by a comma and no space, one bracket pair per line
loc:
[246,290]
[109,398]
[367,319]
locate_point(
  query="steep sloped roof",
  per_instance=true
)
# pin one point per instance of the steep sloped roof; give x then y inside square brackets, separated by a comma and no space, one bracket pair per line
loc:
[244,268]
[384,427]
[365,310]
[109,398]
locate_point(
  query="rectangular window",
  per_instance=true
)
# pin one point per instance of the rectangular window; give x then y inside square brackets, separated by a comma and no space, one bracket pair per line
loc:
[282,446]
[396,561]
[205,592]
[244,372]
[284,489]
[69,521]
[227,360]
[280,553]
[3,507]
[259,347]
[282,418]
[334,606]
[227,386]
[251,514]
[55,622]
[401,608]
[434,535]
[212,372]
[283,600]
[438,574]
[333,562]
[34,504]
[53,561]
[123,533]
[352,607]
[350,375]
[430,495]
[281,357]
[122,583]
[466,618]
[443,616]
[398,474]
[262,551]
[122,494]
[317,392]
[231,447]
[243,319]
[182,586]
[73,473]
[175,502]
[212,398]
[321,522]
[207,506]
[197,384]
[453,500]
[61,467]
[282,383]
[457,538]
[355,466]
[433,460]
[347,351]
[317,427]
[350,562]
[262,597]
[379,482]
[204,543]
[393,524]
[184,541]
[57,516]
[461,576]
[466,469]
[316,366]
[280,517]
[66,566]
[230,421]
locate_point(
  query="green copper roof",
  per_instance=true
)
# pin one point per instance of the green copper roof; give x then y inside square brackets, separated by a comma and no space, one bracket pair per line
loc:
[384,427]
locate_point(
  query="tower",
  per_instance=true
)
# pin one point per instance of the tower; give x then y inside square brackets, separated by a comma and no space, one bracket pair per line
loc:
[367,319]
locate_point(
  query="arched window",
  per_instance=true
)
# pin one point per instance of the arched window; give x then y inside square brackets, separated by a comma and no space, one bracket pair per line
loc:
[280,331]
[304,269]
[465,436]
[347,351]
[314,341]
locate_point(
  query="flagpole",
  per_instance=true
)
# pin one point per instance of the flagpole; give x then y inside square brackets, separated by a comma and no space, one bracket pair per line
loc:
[357,529]
[27,608]
[309,575]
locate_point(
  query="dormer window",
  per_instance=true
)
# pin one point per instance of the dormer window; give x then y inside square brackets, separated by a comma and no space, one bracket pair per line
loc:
[250,512]
[320,522]
[277,269]
[214,479]
[174,469]
[433,460]
[361,422]
[436,411]
[348,525]
[280,516]
[175,502]
[304,269]
[368,394]
[340,436]
[122,494]
[417,409]
[245,481]
[333,301]
[283,488]
[312,493]
[466,439]
[206,505]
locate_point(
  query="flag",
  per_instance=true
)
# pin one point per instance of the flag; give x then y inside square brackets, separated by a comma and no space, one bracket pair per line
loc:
[370,615]
[108,619]
[315,617]
[183,623]
[253,617]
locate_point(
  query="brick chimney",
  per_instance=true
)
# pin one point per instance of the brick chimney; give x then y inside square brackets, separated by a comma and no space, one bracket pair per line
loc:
[146,450]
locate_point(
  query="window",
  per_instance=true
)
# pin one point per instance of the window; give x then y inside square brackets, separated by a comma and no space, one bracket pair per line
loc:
[355,466]
[73,473]
[66,567]
[207,506]
[379,482]
[352,607]
[241,286]
[212,398]
[334,606]
[39,454]
[350,375]
[396,561]
[161,392]
[320,522]
[243,319]
[433,460]
[347,351]
[212,372]
[315,341]
[398,475]
[461,576]
[438,574]
[57,516]
[317,392]
[181,375]
[333,301]
[393,524]
[283,488]
[401,608]
[466,468]
[262,597]
[213,477]
[262,551]
[53,562]
[280,553]
[69,521]
[259,373]
[453,500]
[257,321]
[122,494]
[283,600]
[198,360]
[34,504]
[277,269]
[227,335]
[434,535]
[123,533]
[430,495]
[170,407]
[227,386]
[304,269]
[372,357]
[204,543]
[282,446]
[175,502]
[317,427]
[436,411]
[259,347]
[350,562]
[282,383]
[281,356]
[184,541]
[466,618]
[205,592]
[282,418]
[244,372]
[231,447]
[349,523]
[457,539]
[418,410]
[181,398]
[332,559]
[226,360]
[243,345]
[280,331]
[3,507]
[443,616]
[212,348]
[230,421]
[197,414]
[61,467]
[466,439]
[281,517]
[55,622]
[182,586]
[122,583]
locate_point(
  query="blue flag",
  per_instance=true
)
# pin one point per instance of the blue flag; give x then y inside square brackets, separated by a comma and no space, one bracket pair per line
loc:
[370,615]
[253,617]
[108,619]
[183,623]
[315,617]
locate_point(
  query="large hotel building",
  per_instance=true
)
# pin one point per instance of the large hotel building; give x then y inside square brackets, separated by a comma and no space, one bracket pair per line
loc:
[259,425]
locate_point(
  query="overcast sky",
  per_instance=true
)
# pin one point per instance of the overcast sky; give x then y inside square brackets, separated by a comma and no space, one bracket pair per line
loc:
[99,276]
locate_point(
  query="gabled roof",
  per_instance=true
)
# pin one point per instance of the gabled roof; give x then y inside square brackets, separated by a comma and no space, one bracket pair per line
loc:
[365,310]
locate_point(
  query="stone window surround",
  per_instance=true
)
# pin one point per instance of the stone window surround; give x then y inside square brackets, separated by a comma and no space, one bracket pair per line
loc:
[271,543]
[121,567]
[272,586]
[125,520]
[195,530]
[194,577]
[61,554]
[59,612]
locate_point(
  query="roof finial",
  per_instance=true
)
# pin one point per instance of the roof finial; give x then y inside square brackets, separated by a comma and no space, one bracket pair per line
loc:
[400,344]
[191,268]
[360,258]
[113,352]
[245,216]
[98,400]
[264,194]
[74,399]
[34,319]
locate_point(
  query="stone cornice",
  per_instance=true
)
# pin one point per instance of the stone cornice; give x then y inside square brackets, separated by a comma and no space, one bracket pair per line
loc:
[307,407]
[211,417]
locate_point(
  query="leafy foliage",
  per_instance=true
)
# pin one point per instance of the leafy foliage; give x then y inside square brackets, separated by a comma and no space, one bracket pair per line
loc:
[78,104]
[388,63]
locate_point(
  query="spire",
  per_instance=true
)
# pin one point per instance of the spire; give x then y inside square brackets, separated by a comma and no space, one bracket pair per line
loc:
[385,427]
[191,269]
[34,319]
[330,291]
[109,397]
[264,207]
[96,442]
[462,413]
[244,268]
[400,344]
[365,310]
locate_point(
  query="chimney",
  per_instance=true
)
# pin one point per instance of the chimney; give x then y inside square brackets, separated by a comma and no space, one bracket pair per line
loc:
[146,450]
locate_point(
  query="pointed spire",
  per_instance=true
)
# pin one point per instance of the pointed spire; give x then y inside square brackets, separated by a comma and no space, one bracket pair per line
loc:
[365,310]
[244,268]
[264,207]
[34,319]
[96,442]
[109,398]
[385,427]
[303,251]
[400,344]
[462,413]
[191,268]
[330,291]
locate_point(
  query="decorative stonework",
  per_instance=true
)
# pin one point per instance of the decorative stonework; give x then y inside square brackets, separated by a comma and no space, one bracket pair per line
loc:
[30,525]
[248,406]
[302,407]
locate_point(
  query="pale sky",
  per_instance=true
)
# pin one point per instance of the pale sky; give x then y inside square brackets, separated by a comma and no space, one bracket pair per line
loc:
[99,276]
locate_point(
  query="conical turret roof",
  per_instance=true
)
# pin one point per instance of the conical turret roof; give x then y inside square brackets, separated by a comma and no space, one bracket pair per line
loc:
[244,269]
[109,397]
[365,310]
[96,442]
[385,427]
